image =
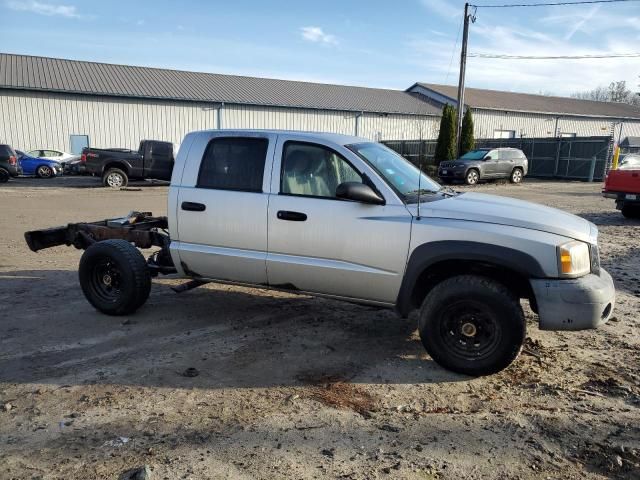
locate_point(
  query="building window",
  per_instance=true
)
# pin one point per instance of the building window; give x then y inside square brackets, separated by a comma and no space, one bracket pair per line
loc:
[567,135]
[504,134]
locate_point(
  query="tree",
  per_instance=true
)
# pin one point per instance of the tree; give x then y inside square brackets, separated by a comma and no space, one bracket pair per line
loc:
[615,92]
[446,146]
[467,140]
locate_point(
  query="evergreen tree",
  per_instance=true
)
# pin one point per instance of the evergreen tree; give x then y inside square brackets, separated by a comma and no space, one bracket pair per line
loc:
[446,146]
[467,140]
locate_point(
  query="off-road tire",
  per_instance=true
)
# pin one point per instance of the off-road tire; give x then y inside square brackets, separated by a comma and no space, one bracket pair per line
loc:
[44,171]
[127,272]
[472,177]
[517,175]
[4,175]
[115,178]
[631,211]
[488,309]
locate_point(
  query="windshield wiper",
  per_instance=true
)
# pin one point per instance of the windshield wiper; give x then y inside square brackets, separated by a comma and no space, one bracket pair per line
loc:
[422,191]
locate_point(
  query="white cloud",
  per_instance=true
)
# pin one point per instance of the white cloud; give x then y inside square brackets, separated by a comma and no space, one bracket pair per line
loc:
[49,9]
[317,35]
[140,23]
[444,9]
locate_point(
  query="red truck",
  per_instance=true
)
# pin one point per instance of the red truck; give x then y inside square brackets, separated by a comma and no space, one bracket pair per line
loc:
[623,184]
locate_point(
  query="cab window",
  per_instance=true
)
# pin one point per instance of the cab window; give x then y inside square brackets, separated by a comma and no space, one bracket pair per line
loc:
[314,170]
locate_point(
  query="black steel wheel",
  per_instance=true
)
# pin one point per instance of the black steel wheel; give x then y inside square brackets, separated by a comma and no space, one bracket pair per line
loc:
[44,171]
[114,277]
[473,325]
[472,177]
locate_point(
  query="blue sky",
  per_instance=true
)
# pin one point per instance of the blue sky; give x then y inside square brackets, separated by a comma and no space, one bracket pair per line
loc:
[370,43]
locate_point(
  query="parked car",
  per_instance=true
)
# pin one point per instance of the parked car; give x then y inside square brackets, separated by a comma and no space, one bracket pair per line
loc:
[75,167]
[39,167]
[486,164]
[343,219]
[153,159]
[623,185]
[9,166]
[51,154]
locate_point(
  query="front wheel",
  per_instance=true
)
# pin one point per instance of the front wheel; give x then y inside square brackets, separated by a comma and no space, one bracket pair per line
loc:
[115,178]
[44,171]
[472,325]
[114,277]
[472,177]
[516,176]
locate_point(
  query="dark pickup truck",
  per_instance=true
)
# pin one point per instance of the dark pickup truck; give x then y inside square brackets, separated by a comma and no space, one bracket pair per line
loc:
[154,159]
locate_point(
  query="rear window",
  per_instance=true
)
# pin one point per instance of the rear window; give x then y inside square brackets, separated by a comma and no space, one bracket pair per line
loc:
[233,163]
[629,162]
[511,154]
[7,151]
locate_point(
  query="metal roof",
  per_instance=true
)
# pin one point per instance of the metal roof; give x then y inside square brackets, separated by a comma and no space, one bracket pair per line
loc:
[630,142]
[72,76]
[526,102]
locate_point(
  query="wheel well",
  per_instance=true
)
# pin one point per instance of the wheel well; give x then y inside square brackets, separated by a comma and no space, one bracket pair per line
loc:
[517,168]
[515,281]
[472,168]
[117,165]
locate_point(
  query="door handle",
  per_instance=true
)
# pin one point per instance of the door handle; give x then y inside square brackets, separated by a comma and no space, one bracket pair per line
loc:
[292,216]
[193,207]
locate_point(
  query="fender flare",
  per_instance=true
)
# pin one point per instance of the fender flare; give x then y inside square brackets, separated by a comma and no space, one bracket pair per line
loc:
[428,254]
[114,163]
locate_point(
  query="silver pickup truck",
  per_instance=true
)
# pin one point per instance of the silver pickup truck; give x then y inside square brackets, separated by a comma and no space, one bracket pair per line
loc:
[347,218]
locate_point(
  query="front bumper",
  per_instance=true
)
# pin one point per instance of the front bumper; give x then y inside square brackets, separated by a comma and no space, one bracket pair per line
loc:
[576,303]
[451,172]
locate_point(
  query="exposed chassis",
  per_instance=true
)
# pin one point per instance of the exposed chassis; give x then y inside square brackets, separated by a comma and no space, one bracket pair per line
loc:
[140,228]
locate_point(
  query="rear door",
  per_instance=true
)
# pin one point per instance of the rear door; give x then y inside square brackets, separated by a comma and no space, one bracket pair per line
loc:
[222,204]
[158,160]
[507,162]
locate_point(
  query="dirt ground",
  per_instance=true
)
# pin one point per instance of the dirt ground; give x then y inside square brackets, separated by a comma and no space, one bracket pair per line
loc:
[292,386]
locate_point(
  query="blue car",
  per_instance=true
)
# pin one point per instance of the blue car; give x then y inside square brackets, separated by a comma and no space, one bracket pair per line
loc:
[40,167]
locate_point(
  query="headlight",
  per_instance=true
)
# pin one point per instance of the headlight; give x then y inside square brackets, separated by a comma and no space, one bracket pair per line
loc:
[573,259]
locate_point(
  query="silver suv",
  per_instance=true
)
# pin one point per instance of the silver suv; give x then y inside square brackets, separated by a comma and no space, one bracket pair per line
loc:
[347,218]
[486,164]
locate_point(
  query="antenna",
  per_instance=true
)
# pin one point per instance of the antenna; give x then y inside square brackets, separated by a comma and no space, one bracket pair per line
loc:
[419,178]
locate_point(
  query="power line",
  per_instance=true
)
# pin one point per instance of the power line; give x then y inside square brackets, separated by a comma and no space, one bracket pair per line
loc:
[550,4]
[553,57]
[453,50]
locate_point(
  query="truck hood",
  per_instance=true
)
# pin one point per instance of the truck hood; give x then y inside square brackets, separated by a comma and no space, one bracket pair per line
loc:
[480,207]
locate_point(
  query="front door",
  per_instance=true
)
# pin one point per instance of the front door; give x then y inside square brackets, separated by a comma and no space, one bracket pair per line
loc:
[491,164]
[320,243]
[222,208]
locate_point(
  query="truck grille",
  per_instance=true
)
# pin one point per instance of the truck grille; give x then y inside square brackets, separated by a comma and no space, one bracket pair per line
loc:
[446,164]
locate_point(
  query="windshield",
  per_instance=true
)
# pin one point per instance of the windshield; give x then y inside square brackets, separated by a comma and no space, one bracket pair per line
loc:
[474,155]
[398,172]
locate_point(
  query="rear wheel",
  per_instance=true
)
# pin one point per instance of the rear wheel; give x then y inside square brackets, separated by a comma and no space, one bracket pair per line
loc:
[472,177]
[631,211]
[114,277]
[44,171]
[471,324]
[115,178]
[516,175]
[4,175]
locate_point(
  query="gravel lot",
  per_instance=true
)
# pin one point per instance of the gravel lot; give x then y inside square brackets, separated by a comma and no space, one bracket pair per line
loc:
[293,386]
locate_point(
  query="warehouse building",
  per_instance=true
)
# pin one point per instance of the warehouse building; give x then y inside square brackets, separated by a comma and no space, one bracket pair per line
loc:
[54,103]
[498,114]
[67,104]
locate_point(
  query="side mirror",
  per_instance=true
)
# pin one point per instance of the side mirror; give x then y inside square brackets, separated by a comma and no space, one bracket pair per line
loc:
[488,158]
[359,192]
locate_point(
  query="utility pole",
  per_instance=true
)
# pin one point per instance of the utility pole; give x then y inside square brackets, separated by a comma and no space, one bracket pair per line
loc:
[463,68]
